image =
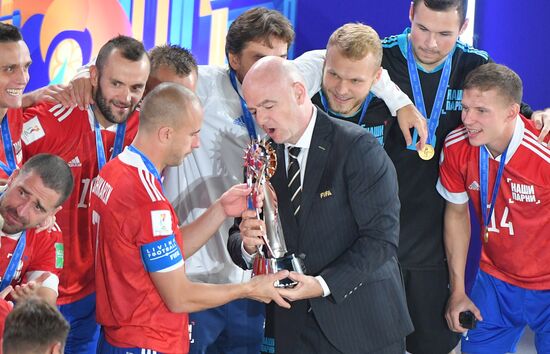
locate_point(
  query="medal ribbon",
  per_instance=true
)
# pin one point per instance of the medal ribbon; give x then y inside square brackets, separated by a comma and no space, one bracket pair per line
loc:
[247,116]
[14,262]
[8,148]
[334,114]
[117,148]
[484,181]
[419,97]
[248,122]
[150,166]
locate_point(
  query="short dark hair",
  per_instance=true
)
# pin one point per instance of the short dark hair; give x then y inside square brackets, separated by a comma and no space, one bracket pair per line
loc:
[54,173]
[130,48]
[496,76]
[175,57]
[445,5]
[33,326]
[257,24]
[9,33]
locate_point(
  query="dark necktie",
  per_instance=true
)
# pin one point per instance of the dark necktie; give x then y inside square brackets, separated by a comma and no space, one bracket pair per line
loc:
[294,183]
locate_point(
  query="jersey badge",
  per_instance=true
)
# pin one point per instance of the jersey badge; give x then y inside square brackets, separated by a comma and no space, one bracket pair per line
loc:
[32,131]
[59,255]
[161,220]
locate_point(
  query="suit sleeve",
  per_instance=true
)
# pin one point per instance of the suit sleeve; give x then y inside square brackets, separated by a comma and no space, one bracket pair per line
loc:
[234,245]
[372,193]
[234,241]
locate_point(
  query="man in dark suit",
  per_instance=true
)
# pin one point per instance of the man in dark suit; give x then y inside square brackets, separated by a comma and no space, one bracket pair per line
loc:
[345,220]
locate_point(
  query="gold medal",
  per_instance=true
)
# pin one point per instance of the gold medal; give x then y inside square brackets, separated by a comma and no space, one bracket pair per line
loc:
[486,234]
[427,152]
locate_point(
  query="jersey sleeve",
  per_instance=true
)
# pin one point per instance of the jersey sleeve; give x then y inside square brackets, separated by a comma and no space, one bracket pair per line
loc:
[390,93]
[5,309]
[47,256]
[42,129]
[310,65]
[157,237]
[451,182]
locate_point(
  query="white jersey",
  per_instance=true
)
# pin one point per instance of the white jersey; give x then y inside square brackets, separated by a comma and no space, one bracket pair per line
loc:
[217,164]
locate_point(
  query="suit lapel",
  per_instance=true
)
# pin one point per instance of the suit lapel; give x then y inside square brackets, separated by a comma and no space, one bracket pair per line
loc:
[316,162]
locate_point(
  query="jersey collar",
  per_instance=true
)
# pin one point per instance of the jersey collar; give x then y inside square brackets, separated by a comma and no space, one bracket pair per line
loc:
[519,130]
[402,41]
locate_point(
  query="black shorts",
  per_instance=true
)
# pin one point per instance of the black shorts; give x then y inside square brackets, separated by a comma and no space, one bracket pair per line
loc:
[427,294]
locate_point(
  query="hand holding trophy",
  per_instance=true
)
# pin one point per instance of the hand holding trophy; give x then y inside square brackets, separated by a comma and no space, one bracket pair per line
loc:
[261,164]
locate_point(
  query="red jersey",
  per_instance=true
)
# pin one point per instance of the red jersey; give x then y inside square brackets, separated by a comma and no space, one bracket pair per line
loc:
[137,233]
[5,309]
[43,253]
[15,124]
[69,133]
[517,250]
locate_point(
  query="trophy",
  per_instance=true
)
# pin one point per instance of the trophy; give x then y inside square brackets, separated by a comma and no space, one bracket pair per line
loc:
[261,164]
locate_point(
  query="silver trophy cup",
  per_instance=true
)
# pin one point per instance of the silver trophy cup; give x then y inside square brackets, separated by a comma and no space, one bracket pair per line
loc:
[261,163]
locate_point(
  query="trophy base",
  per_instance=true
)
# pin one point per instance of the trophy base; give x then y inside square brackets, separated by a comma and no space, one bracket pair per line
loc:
[289,262]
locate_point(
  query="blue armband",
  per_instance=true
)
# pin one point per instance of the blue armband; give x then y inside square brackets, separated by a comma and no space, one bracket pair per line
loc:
[161,254]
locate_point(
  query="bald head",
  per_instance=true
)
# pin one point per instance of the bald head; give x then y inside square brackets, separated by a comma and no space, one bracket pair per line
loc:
[276,94]
[169,104]
[169,124]
[272,71]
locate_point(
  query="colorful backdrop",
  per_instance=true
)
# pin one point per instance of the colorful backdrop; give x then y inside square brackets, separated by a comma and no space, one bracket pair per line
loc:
[64,34]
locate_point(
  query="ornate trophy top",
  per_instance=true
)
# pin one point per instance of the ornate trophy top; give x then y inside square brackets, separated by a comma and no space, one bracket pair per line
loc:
[260,160]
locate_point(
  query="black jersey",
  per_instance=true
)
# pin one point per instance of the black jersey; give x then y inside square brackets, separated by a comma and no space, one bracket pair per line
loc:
[422,208]
[375,121]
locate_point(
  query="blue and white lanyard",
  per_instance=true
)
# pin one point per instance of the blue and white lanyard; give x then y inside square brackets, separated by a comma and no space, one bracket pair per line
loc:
[484,179]
[117,148]
[248,121]
[419,97]
[334,114]
[150,166]
[8,148]
[247,116]
[14,261]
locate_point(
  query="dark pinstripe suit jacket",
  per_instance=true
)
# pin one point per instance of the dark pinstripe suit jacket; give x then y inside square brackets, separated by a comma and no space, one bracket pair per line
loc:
[349,236]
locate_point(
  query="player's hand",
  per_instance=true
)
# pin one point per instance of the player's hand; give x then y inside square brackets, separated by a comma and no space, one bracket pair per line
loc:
[234,201]
[46,224]
[261,288]
[307,288]
[252,231]
[542,123]
[82,91]
[30,289]
[53,93]
[409,117]
[3,184]
[459,302]
[3,294]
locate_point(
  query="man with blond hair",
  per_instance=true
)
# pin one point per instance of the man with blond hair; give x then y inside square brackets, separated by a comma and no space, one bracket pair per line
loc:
[352,65]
